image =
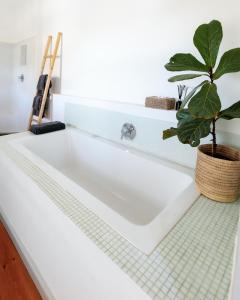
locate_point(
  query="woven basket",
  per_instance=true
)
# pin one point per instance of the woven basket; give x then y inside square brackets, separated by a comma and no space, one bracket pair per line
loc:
[218,179]
[160,103]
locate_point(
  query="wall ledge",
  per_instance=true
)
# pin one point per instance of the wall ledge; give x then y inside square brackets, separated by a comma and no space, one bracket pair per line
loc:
[127,108]
[132,109]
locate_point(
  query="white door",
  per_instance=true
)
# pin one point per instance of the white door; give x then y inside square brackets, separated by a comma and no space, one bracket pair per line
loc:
[24,83]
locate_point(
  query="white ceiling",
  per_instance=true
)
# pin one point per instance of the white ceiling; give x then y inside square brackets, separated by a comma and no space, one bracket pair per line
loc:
[18,19]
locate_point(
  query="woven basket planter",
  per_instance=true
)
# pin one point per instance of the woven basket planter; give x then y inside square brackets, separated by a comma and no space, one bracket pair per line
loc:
[218,179]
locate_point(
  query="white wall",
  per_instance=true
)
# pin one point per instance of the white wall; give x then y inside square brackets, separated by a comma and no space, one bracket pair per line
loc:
[19,23]
[15,96]
[19,20]
[6,75]
[7,104]
[23,92]
[116,50]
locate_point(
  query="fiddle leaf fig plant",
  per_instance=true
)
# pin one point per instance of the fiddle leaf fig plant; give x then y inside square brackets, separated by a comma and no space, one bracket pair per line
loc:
[201,108]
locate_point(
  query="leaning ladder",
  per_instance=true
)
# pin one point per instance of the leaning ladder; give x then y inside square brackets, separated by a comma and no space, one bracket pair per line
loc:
[52,57]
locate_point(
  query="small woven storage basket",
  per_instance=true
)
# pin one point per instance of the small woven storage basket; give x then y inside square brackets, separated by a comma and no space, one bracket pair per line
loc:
[160,103]
[218,179]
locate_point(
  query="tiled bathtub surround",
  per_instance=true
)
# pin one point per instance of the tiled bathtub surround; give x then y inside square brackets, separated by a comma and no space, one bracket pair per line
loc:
[194,261]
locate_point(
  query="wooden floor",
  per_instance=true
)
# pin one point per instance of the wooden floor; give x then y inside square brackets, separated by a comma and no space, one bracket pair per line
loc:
[15,282]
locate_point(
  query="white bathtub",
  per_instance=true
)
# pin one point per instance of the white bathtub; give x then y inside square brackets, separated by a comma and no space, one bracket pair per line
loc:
[140,196]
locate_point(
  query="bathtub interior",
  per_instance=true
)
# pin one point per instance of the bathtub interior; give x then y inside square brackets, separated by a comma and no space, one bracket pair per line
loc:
[134,186]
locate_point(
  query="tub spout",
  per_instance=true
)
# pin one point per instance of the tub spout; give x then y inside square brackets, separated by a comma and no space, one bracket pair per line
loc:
[128,131]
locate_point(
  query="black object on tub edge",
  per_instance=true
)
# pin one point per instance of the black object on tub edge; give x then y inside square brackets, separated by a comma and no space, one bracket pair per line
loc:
[47,127]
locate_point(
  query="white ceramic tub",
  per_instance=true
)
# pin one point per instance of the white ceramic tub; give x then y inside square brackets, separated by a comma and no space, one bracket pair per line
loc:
[140,196]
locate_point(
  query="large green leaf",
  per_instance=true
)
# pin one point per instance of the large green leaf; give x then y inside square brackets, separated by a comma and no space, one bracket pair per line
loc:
[185,62]
[206,103]
[191,94]
[183,116]
[231,113]
[207,40]
[192,132]
[184,77]
[168,133]
[229,63]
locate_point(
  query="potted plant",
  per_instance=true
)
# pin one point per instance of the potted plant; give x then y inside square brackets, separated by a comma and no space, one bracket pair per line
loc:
[218,166]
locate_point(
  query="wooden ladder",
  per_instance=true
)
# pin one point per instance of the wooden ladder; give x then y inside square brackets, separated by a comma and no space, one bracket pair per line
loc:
[52,57]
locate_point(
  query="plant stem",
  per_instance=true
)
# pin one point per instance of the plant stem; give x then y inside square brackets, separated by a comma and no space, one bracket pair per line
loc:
[214,140]
[211,74]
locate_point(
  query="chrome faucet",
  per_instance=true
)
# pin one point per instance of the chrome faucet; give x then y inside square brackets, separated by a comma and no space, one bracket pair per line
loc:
[128,131]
